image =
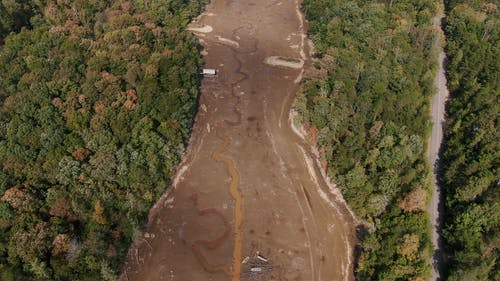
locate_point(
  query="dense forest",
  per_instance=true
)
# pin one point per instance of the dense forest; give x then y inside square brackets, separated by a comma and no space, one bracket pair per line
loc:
[97,99]
[366,106]
[471,165]
[16,14]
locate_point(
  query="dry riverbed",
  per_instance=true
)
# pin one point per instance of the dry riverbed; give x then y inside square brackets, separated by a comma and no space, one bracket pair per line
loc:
[249,201]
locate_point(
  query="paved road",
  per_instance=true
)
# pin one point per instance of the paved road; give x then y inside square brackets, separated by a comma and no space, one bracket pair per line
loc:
[438,118]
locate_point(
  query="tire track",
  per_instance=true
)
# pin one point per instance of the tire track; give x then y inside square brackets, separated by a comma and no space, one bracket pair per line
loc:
[211,244]
[306,218]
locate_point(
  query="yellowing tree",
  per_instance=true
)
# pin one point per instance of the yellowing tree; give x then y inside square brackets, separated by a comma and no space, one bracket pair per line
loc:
[97,215]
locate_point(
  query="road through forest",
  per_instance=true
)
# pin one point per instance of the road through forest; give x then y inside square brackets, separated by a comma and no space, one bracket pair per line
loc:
[436,138]
[248,202]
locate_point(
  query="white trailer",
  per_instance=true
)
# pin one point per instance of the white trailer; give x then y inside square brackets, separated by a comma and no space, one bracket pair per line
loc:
[209,72]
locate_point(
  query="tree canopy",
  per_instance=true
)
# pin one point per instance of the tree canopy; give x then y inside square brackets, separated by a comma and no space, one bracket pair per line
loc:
[471,155]
[97,99]
[366,107]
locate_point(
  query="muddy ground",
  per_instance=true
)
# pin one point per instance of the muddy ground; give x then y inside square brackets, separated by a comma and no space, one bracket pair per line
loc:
[249,184]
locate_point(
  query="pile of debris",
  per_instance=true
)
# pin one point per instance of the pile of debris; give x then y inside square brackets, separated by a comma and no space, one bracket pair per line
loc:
[257,268]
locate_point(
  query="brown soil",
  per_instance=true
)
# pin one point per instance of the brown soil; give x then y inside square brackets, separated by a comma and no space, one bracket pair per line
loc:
[245,187]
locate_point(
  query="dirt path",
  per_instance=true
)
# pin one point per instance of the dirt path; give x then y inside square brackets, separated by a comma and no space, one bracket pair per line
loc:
[438,119]
[246,168]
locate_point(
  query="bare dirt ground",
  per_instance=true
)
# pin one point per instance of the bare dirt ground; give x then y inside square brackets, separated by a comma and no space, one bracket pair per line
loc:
[245,187]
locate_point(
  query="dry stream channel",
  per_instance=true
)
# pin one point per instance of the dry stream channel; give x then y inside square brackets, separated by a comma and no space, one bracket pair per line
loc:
[248,202]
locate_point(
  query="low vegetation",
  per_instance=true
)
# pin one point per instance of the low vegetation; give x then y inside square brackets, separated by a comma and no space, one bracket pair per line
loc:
[471,165]
[366,106]
[96,103]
